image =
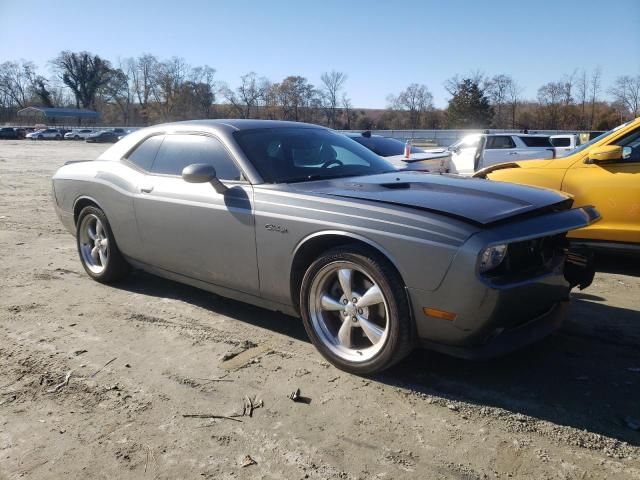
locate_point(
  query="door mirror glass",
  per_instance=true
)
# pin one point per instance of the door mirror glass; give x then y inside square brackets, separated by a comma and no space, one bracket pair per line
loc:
[605,153]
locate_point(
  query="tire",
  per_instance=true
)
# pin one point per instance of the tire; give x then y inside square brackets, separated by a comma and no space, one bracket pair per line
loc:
[368,335]
[97,247]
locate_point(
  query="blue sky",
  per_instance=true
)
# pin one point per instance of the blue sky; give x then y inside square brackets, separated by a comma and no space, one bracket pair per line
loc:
[383,46]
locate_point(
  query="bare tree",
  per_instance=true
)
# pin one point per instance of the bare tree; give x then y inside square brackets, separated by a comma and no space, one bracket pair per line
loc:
[498,89]
[582,86]
[245,99]
[15,81]
[626,91]
[416,100]
[168,79]
[594,90]
[84,73]
[550,97]
[513,94]
[332,84]
[120,89]
[349,113]
[203,86]
[142,76]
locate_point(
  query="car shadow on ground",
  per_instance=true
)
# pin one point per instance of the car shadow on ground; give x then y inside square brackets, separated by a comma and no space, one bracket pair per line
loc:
[622,264]
[586,376]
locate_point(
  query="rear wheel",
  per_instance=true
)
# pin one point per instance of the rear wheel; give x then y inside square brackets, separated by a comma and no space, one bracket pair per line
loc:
[97,247]
[355,310]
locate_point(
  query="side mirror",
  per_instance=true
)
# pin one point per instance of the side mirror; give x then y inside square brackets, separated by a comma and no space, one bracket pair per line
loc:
[203,173]
[605,153]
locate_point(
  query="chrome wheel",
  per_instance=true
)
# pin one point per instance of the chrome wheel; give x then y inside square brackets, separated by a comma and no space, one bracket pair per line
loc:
[348,311]
[94,243]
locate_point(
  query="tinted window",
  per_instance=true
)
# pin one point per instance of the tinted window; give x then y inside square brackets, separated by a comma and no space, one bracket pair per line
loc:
[179,151]
[385,147]
[294,154]
[536,141]
[561,142]
[632,141]
[500,142]
[145,153]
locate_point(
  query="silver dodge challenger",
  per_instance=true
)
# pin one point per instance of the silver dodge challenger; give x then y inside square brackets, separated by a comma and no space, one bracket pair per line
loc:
[299,219]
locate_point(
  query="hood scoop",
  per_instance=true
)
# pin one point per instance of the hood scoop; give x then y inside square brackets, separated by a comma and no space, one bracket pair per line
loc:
[396,185]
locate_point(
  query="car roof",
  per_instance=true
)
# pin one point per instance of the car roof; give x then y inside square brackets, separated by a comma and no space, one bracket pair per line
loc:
[240,124]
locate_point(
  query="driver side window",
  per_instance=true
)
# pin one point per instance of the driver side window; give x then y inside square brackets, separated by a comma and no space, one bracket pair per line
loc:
[179,151]
[632,141]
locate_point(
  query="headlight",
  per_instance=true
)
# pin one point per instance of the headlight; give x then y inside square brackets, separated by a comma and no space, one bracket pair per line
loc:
[491,257]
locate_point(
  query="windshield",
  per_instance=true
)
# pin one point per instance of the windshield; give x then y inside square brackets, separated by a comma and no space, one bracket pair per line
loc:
[385,147]
[296,154]
[597,139]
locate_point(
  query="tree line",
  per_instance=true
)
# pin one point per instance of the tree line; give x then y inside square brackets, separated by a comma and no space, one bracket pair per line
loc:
[146,90]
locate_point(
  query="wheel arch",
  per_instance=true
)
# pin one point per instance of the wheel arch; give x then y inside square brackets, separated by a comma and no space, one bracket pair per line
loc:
[80,203]
[310,247]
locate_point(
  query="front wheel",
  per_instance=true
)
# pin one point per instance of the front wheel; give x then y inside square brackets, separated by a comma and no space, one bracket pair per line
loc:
[355,310]
[97,247]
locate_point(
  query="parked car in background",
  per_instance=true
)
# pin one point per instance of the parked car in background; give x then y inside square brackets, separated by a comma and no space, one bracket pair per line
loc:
[22,132]
[106,136]
[477,151]
[298,218]
[8,133]
[393,150]
[79,134]
[45,134]
[564,143]
[604,172]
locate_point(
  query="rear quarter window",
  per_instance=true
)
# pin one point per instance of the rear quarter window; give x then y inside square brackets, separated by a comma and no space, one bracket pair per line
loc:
[145,153]
[561,142]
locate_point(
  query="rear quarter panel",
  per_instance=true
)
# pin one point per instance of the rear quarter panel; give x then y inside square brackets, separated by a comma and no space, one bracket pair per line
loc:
[112,186]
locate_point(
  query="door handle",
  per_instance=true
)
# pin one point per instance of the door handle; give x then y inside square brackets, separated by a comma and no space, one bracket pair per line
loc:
[513,153]
[146,188]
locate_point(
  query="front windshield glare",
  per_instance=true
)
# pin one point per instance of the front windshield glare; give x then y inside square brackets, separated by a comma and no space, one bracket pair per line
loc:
[597,139]
[294,154]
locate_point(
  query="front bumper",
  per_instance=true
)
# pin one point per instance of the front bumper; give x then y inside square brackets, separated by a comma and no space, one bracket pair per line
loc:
[495,314]
[507,340]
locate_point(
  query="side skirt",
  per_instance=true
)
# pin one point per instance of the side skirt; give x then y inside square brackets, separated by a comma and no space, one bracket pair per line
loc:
[216,289]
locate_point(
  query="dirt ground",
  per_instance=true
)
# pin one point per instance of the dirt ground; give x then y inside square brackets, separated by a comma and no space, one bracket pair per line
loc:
[146,353]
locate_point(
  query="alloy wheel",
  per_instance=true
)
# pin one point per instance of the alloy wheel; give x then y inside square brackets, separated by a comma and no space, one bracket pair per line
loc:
[94,244]
[348,311]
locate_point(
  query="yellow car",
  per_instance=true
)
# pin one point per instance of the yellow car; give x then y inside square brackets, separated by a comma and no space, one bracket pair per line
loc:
[604,173]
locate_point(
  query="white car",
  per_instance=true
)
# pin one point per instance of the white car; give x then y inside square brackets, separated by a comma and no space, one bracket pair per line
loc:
[478,151]
[565,143]
[80,134]
[393,151]
[45,134]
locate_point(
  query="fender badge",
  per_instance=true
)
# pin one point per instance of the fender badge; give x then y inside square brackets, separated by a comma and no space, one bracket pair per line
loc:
[275,228]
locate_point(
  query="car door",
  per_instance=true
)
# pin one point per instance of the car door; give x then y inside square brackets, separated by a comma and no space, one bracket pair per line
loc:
[499,149]
[614,189]
[191,229]
[464,154]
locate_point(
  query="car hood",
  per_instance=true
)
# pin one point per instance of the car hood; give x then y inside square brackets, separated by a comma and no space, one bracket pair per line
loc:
[477,201]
